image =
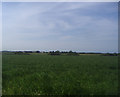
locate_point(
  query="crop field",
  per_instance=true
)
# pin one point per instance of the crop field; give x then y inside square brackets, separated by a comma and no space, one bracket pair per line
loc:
[42,74]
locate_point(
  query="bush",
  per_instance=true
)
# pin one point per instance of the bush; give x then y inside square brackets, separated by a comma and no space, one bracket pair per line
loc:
[55,53]
[37,51]
[73,53]
[110,54]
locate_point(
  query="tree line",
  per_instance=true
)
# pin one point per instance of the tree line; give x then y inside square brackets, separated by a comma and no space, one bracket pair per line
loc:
[58,53]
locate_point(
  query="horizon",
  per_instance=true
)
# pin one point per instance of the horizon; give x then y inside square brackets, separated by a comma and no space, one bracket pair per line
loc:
[56,50]
[60,26]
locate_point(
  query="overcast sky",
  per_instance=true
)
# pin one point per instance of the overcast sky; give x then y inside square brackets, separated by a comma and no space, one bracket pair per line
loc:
[0,26]
[60,26]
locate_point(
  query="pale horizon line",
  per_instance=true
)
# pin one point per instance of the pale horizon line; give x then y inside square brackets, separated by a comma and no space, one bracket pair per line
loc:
[60,51]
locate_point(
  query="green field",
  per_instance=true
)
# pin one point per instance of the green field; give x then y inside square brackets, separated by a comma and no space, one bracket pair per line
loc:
[38,74]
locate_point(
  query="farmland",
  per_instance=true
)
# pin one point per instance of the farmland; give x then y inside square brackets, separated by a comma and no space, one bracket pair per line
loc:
[43,74]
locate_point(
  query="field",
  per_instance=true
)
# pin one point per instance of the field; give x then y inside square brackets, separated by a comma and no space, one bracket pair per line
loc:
[38,74]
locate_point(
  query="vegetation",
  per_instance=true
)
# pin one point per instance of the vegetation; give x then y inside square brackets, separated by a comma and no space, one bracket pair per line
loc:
[54,53]
[109,54]
[72,53]
[44,74]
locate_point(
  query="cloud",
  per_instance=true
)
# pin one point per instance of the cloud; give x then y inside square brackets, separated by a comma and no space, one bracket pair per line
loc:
[77,26]
[0,26]
[60,0]
[68,37]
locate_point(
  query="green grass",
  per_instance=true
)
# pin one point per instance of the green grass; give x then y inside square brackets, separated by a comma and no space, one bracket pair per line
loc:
[59,75]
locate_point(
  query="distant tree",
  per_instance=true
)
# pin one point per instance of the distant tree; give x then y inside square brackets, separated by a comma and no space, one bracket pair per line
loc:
[19,52]
[51,52]
[57,52]
[82,53]
[115,54]
[37,51]
[28,51]
[54,52]
[72,53]
[110,54]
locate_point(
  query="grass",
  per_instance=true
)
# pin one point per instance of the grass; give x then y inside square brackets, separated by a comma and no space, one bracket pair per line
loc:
[37,74]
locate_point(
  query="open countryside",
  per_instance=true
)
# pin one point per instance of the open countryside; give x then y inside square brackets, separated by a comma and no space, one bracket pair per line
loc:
[59,74]
[60,48]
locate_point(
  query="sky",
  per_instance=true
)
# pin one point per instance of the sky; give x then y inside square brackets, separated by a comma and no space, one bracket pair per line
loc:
[64,26]
[0,26]
[60,0]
